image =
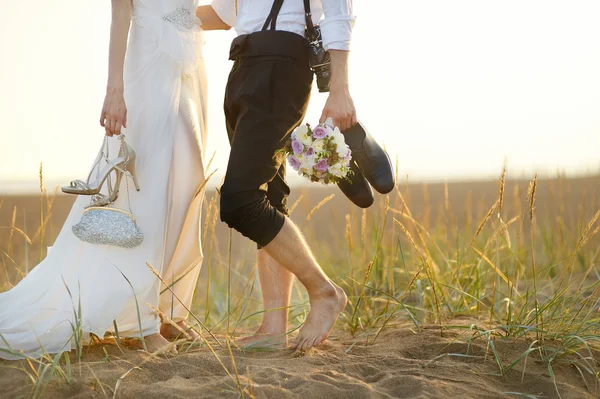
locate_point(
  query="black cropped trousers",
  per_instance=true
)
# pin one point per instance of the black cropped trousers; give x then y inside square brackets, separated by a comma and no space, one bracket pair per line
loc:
[266,97]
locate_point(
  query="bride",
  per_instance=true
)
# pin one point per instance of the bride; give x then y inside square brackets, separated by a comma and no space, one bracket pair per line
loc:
[156,97]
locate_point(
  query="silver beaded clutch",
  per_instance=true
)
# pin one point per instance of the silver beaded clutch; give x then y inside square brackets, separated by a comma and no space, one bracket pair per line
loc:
[108,226]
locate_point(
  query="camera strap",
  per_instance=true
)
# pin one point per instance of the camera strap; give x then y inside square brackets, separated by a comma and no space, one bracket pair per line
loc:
[272,18]
[310,28]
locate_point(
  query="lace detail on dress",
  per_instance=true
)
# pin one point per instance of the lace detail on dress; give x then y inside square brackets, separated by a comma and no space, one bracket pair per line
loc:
[181,17]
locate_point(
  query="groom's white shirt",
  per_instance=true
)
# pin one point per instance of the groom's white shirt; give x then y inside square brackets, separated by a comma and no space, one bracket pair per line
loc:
[336,27]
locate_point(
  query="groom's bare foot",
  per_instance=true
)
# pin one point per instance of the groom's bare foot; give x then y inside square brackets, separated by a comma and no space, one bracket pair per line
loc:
[260,339]
[156,343]
[324,311]
[169,331]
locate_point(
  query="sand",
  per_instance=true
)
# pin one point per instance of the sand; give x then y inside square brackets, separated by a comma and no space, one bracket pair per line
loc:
[399,364]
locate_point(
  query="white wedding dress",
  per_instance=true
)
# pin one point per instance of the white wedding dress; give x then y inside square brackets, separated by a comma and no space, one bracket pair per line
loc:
[165,93]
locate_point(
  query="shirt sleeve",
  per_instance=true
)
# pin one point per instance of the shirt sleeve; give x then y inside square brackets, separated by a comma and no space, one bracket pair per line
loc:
[225,9]
[336,27]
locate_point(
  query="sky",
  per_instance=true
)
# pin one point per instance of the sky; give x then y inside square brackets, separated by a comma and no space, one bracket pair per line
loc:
[451,89]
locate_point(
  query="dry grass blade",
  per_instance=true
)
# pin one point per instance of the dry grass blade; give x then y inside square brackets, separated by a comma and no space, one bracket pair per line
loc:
[484,221]
[446,196]
[493,266]
[589,237]
[502,189]
[199,190]
[21,232]
[235,370]
[353,321]
[410,239]
[349,233]
[363,236]
[504,230]
[295,205]
[157,274]
[97,380]
[164,318]
[12,229]
[319,205]
[42,224]
[405,207]
[210,161]
[428,270]
[121,378]
[210,215]
[531,190]
[585,237]
[31,366]
[531,199]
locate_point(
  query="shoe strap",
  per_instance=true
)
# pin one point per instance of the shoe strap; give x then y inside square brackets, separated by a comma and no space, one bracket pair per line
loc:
[103,154]
[80,184]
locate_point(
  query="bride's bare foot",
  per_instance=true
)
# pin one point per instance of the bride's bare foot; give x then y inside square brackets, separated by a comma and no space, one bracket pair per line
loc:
[169,331]
[156,343]
[324,311]
[262,339]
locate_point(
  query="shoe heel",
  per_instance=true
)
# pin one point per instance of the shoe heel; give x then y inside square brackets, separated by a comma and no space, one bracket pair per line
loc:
[135,182]
[131,169]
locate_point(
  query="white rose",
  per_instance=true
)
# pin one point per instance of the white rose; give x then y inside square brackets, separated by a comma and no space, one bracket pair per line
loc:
[295,133]
[308,162]
[340,142]
[305,139]
[301,134]
[338,137]
[318,145]
[342,149]
[302,129]
[336,170]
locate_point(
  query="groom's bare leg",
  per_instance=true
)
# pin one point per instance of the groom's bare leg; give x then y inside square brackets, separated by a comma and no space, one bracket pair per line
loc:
[327,300]
[258,122]
[276,286]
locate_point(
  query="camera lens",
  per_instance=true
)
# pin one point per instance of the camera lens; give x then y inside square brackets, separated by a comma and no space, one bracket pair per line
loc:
[323,79]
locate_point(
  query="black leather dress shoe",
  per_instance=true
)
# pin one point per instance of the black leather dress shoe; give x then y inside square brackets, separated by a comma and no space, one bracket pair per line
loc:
[357,189]
[372,160]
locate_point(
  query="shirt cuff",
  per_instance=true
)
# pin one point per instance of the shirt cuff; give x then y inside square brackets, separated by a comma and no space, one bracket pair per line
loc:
[225,9]
[337,32]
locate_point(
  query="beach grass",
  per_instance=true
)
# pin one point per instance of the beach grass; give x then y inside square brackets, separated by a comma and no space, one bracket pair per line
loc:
[517,266]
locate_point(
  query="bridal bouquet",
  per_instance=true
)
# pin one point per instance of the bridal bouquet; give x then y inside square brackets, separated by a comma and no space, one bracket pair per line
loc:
[319,154]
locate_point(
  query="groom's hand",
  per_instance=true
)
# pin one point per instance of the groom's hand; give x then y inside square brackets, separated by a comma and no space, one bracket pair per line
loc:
[339,105]
[340,108]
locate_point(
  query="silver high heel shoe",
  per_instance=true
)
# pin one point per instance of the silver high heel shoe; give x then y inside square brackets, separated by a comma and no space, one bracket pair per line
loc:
[124,164]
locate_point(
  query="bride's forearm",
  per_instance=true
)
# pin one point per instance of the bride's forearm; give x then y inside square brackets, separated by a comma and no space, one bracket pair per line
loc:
[119,31]
[210,19]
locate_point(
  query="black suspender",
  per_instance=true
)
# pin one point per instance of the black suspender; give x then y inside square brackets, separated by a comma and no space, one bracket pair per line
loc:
[272,18]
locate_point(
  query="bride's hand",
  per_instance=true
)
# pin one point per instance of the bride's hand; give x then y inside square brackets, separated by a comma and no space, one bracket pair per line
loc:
[114,112]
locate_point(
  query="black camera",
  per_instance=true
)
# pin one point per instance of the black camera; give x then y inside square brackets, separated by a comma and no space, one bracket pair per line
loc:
[319,58]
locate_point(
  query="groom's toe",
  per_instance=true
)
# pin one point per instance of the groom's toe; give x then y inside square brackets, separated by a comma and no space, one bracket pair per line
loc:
[305,345]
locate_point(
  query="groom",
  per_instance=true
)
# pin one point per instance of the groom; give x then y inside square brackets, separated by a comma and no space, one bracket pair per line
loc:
[266,98]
